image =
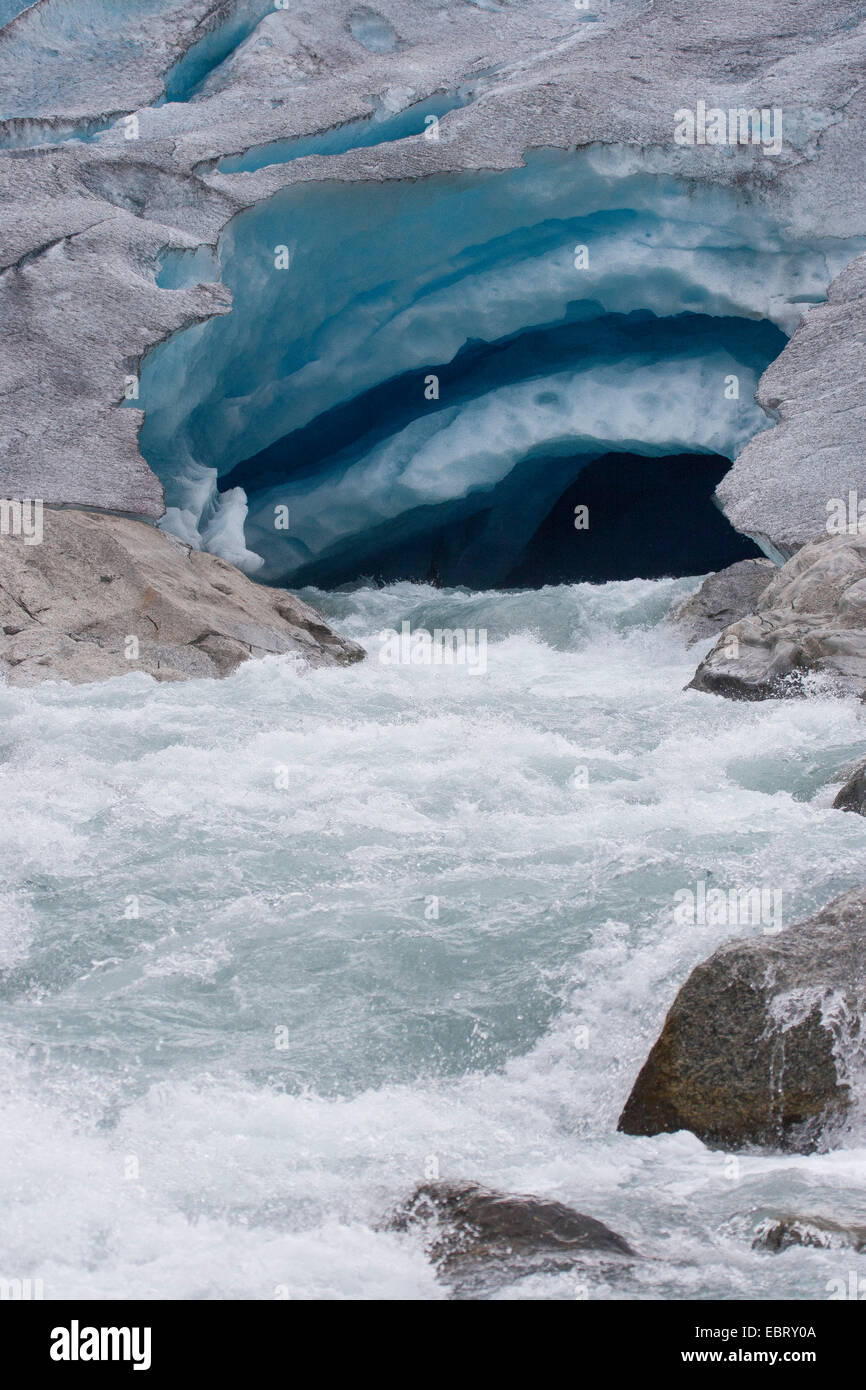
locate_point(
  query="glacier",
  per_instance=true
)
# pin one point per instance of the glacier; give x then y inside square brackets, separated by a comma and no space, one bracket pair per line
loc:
[388,121]
[423,343]
[225,30]
[205,132]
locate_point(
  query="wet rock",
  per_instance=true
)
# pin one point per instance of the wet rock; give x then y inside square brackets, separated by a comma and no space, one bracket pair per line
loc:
[723,598]
[473,1228]
[777,1233]
[760,1044]
[852,796]
[809,621]
[101,596]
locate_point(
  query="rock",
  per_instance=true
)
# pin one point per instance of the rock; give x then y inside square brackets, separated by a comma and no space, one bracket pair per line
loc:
[758,1045]
[723,598]
[473,1226]
[810,619]
[783,1232]
[70,604]
[852,796]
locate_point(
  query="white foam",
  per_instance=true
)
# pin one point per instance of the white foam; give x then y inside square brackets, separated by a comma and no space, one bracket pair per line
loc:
[410,1037]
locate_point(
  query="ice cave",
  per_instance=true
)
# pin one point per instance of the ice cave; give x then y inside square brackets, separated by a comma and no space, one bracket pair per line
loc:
[424,379]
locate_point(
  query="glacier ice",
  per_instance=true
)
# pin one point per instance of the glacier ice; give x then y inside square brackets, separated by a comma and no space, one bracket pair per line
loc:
[259,90]
[373,31]
[10,8]
[189,74]
[656,405]
[572,308]
[382,125]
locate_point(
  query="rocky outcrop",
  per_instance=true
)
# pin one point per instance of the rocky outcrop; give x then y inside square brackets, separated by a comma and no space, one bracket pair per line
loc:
[473,1226]
[723,598]
[810,620]
[101,596]
[759,1046]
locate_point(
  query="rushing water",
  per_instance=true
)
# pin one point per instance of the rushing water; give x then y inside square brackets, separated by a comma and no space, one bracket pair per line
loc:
[283,837]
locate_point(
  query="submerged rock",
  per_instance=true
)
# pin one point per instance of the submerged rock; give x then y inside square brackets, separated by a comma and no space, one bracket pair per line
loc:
[759,1046]
[810,620]
[783,1232]
[723,598]
[473,1226]
[101,596]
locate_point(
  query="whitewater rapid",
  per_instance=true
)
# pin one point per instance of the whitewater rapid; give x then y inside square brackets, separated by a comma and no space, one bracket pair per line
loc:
[274,948]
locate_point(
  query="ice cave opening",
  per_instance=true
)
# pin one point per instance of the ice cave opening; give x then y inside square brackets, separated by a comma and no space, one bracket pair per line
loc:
[429,379]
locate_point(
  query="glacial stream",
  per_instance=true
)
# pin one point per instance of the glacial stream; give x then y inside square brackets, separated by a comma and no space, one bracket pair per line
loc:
[274,948]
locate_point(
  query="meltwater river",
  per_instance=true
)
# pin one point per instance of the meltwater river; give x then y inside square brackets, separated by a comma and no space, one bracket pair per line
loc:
[273,948]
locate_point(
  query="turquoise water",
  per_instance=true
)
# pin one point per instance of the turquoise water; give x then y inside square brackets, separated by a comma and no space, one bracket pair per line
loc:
[269,945]
[354,135]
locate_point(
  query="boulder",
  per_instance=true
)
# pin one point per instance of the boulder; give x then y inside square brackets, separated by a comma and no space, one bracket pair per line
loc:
[809,620]
[852,796]
[777,1233]
[101,596]
[759,1046]
[723,598]
[473,1226]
